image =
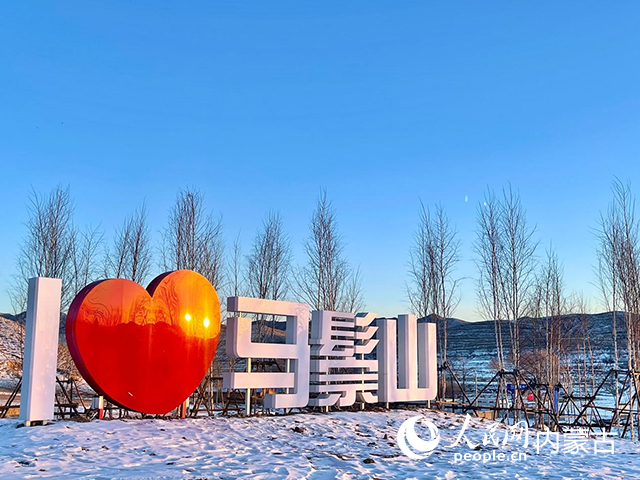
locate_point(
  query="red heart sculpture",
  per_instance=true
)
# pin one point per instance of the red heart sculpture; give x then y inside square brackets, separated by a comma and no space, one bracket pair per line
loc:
[145,350]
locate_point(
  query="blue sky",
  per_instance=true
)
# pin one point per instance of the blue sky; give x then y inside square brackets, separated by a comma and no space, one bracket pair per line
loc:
[260,104]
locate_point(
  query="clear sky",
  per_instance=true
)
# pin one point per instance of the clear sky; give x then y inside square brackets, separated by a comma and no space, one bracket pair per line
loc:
[260,104]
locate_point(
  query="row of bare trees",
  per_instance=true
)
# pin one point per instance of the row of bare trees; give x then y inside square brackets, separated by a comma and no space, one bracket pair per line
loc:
[538,327]
[192,239]
[516,286]
[505,257]
[513,283]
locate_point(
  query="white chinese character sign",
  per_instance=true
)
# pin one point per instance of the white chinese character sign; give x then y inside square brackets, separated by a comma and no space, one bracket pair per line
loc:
[402,378]
[339,363]
[340,373]
[296,350]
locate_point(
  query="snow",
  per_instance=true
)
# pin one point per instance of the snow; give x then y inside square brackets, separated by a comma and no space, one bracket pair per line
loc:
[316,446]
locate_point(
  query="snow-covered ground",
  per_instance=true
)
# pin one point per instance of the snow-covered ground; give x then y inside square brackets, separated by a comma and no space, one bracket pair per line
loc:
[316,446]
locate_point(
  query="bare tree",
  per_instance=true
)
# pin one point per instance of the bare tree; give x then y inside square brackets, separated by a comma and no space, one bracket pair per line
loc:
[353,298]
[534,361]
[618,275]
[552,307]
[624,247]
[489,248]
[49,246]
[85,256]
[268,265]
[586,368]
[518,264]
[619,256]
[606,273]
[326,281]
[193,239]
[506,262]
[132,255]
[432,261]
[421,288]
[235,269]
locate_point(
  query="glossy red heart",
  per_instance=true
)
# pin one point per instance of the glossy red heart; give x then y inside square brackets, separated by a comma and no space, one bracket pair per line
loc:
[145,350]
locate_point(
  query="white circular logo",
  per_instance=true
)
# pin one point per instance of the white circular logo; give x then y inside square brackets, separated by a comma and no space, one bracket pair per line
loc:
[407,437]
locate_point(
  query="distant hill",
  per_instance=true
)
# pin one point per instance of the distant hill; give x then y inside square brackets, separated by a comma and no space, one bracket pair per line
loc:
[21,318]
[598,326]
[11,347]
[471,345]
[451,322]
